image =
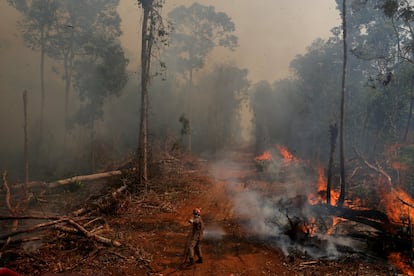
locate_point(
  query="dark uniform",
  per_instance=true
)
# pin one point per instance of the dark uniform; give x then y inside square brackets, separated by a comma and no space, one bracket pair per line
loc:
[196,237]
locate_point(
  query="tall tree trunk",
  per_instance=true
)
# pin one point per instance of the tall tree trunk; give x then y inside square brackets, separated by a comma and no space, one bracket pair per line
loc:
[342,119]
[333,131]
[68,67]
[42,86]
[146,47]
[190,110]
[92,141]
[66,103]
[26,141]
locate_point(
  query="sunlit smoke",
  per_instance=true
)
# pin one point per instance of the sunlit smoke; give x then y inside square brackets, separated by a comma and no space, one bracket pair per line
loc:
[214,233]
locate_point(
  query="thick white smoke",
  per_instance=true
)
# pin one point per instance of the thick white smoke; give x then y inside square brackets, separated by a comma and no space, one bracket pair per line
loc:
[262,206]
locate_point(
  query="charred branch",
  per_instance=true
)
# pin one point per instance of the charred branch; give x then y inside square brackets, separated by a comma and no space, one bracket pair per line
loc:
[376,219]
[373,167]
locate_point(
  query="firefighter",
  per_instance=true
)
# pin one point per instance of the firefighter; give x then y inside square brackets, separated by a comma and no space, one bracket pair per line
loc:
[196,236]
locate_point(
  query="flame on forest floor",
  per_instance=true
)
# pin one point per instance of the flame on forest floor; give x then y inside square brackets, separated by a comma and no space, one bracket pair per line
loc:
[396,210]
[396,259]
[320,196]
[265,156]
[287,156]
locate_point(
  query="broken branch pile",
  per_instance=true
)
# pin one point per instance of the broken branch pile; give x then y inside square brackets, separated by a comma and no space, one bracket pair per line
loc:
[68,225]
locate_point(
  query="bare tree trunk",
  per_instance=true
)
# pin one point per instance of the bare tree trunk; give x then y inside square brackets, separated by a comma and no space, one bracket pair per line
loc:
[190,110]
[26,141]
[147,39]
[92,141]
[333,130]
[68,64]
[42,87]
[343,93]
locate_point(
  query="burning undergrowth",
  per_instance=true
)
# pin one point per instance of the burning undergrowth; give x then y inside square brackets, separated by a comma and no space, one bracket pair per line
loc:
[289,224]
[284,204]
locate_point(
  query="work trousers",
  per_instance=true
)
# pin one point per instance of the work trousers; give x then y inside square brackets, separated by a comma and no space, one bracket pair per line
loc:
[195,247]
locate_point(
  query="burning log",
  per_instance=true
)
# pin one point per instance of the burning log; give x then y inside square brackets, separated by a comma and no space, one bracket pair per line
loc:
[376,219]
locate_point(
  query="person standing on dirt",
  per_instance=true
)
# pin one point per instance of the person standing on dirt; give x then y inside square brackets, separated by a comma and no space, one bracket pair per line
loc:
[196,236]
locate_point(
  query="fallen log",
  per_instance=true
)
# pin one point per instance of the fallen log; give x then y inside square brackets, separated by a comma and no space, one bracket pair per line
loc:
[71,180]
[103,202]
[94,236]
[11,241]
[29,217]
[376,219]
[32,229]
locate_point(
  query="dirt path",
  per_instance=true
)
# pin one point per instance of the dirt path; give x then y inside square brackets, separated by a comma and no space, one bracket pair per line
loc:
[226,249]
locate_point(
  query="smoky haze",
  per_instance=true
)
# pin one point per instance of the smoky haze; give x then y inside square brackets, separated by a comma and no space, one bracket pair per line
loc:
[271,33]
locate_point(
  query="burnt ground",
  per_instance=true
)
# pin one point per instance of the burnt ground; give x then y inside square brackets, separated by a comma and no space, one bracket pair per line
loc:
[153,229]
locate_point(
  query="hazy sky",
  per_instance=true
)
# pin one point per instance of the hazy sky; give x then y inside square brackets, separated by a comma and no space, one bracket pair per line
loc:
[271,32]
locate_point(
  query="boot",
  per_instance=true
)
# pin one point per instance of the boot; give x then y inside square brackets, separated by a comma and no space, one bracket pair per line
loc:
[200,260]
[191,261]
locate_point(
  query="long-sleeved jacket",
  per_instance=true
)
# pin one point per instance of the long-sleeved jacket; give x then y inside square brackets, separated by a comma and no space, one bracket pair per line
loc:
[198,228]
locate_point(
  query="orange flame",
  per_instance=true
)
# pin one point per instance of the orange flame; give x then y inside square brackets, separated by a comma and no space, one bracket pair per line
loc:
[264,156]
[321,194]
[287,156]
[394,207]
[396,259]
[335,221]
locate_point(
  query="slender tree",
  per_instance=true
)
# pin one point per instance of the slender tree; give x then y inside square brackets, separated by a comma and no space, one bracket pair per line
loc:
[333,131]
[26,141]
[152,28]
[36,27]
[342,109]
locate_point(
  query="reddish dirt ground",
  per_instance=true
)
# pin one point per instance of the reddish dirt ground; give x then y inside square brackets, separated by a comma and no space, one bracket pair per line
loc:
[235,252]
[153,231]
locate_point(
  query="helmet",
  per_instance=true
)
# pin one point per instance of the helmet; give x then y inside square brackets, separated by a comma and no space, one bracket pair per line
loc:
[196,212]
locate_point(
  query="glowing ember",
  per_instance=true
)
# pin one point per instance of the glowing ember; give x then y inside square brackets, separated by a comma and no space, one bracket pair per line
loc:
[396,260]
[335,221]
[264,157]
[399,166]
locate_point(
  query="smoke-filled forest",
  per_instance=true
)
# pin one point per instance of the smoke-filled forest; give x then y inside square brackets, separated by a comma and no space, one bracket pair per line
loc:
[286,124]
[87,126]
